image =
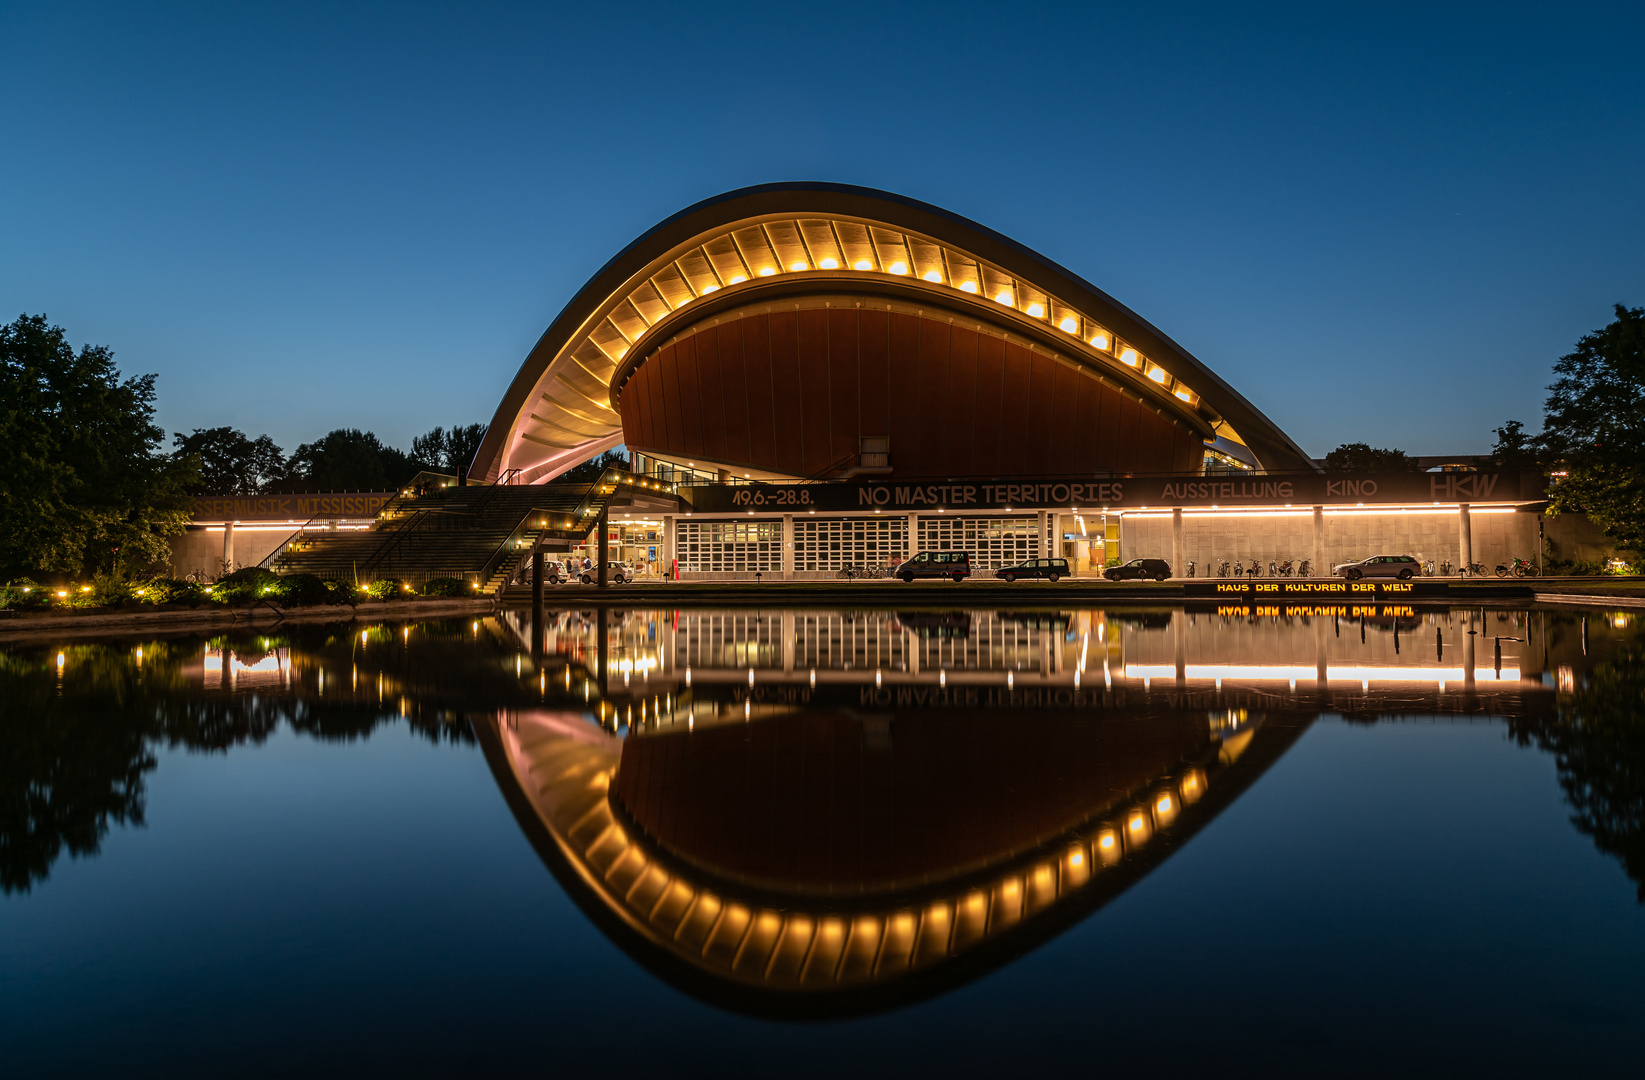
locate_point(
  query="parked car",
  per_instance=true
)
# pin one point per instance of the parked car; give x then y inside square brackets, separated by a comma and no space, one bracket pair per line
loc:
[955,565]
[616,572]
[1139,569]
[1403,567]
[1049,569]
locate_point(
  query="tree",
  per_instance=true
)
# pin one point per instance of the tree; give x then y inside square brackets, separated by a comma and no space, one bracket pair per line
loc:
[1359,457]
[590,470]
[1594,429]
[230,463]
[448,451]
[1597,739]
[1515,448]
[82,475]
[348,460]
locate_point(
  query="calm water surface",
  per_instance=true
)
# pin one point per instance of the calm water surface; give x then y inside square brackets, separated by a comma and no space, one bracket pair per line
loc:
[1290,840]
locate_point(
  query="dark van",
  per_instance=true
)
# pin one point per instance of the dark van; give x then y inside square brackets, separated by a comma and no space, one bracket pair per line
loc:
[955,565]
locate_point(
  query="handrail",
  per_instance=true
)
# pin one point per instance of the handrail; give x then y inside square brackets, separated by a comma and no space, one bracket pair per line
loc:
[490,493]
[824,473]
[301,529]
[395,537]
[500,552]
[588,500]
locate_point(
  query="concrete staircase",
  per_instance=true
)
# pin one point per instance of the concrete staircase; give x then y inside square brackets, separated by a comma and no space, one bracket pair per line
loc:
[479,533]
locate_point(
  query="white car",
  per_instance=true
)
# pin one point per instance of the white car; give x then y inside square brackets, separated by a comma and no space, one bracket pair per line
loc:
[616,573]
[1402,567]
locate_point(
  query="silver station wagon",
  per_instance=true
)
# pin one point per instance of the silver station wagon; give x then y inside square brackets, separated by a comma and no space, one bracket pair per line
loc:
[1403,567]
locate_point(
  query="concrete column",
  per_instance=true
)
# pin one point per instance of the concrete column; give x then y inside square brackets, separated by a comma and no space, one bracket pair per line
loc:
[1179,634]
[1469,635]
[1320,568]
[913,535]
[788,640]
[537,587]
[228,548]
[601,527]
[1045,528]
[1465,539]
[1321,663]
[1179,568]
[668,543]
[788,547]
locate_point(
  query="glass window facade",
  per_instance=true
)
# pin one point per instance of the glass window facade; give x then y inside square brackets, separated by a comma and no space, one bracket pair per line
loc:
[835,543]
[992,541]
[730,546]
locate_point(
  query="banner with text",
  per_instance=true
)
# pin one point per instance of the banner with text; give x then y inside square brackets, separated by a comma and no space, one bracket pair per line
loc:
[1122,493]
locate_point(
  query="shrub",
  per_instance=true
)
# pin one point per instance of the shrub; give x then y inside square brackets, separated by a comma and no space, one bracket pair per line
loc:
[385,589]
[303,590]
[446,586]
[170,591]
[342,592]
[25,594]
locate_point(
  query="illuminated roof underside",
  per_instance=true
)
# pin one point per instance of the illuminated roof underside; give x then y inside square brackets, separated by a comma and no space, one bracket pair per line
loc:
[563,404]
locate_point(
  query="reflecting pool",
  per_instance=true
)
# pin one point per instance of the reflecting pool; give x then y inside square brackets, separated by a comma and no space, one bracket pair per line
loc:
[1290,839]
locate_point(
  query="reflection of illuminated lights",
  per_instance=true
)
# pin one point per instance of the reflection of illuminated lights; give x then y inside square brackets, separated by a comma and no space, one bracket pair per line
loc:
[1360,674]
[1619,620]
[59,663]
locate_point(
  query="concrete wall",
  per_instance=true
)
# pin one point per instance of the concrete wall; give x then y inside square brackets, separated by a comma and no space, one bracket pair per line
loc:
[1573,538]
[1206,540]
[200,550]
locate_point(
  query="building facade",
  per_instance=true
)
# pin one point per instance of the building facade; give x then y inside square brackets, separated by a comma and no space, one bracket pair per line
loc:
[783,356]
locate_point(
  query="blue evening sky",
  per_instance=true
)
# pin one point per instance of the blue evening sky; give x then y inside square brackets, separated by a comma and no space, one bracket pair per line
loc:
[1380,223]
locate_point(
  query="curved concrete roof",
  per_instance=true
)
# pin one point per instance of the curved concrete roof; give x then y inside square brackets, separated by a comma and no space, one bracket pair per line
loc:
[780,239]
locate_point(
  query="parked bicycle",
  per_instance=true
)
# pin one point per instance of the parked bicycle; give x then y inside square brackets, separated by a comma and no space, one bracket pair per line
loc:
[1222,568]
[1285,568]
[1256,569]
[1519,568]
[1306,569]
[1190,568]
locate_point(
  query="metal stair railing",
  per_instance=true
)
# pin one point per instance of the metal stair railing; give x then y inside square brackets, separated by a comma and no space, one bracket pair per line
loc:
[302,531]
[491,490]
[510,543]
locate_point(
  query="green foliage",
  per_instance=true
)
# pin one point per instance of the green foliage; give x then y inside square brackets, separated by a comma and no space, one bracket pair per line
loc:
[590,470]
[446,586]
[170,591]
[83,484]
[448,451]
[229,463]
[1594,429]
[347,460]
[343,592]
[24,594]
[1597,739]
[1360,457]
[304,590]
[386,589]
[1515,448]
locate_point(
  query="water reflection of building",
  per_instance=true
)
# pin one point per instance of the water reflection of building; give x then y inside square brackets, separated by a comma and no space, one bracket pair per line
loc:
[810,812]
[676,666]
[834,861]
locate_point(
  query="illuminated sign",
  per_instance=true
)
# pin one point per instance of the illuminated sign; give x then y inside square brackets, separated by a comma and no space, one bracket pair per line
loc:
[1299,490]
[1327,589]
[355,504]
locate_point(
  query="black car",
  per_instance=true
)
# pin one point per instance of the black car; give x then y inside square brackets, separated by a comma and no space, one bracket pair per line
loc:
[1049,569]
[937,564]
[1138,569]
